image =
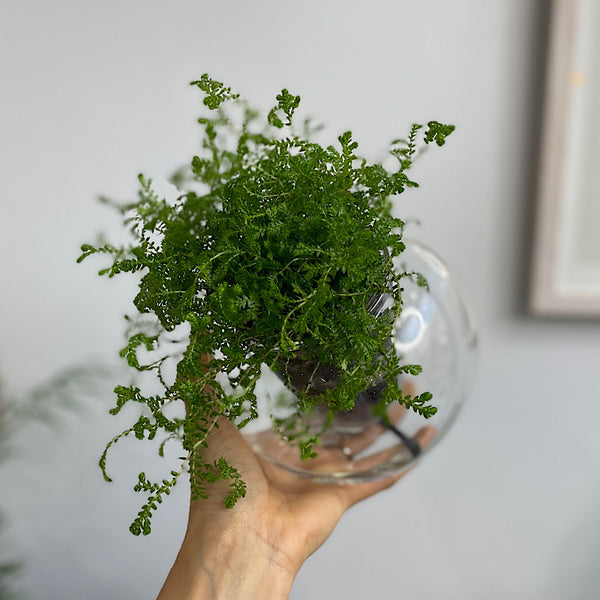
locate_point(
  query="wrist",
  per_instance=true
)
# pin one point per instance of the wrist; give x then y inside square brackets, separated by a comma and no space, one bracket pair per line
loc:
[228,562]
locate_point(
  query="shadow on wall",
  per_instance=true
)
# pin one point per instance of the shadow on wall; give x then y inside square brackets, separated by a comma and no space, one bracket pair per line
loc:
[522,261]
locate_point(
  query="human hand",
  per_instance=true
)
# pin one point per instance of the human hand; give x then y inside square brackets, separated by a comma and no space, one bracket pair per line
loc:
[255,549]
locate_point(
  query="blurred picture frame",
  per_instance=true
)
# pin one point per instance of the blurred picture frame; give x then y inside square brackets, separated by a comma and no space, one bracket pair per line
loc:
[565,278]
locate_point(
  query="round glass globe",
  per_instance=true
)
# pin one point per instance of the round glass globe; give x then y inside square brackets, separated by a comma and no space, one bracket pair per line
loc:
[434,330]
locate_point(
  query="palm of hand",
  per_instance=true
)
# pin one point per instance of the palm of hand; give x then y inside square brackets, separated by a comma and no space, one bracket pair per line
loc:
[290,515]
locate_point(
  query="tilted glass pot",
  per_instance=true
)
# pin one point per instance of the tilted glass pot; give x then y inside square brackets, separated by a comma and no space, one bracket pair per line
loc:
[434,330]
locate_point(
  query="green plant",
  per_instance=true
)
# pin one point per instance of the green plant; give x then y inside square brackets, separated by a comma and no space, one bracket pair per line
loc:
[273,251]
[45,404]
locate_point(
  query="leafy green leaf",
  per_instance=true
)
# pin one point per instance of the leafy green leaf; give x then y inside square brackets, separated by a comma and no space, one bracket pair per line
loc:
[273,251]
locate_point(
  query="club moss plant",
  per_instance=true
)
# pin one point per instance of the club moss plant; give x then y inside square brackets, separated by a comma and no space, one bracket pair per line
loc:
[273,251]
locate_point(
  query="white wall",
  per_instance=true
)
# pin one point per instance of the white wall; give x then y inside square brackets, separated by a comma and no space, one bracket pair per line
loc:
[94,92]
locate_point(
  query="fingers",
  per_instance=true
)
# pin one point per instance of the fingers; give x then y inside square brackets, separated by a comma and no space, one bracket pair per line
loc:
[338,455]
[356,443]
[357,492]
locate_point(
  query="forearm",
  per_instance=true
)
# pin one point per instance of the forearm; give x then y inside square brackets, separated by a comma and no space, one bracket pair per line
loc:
[227,566]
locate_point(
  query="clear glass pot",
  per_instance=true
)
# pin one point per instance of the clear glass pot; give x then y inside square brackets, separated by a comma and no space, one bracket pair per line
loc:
[434,330]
